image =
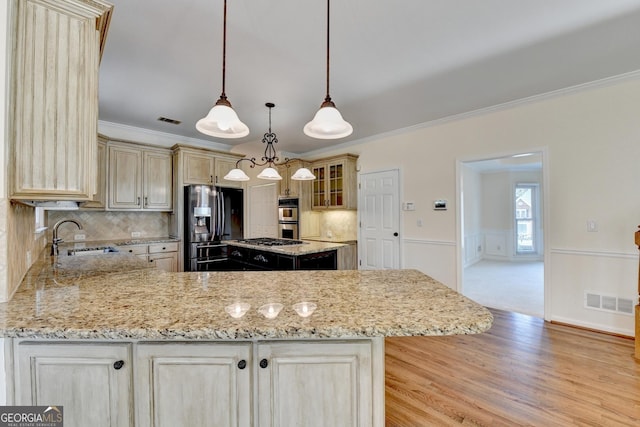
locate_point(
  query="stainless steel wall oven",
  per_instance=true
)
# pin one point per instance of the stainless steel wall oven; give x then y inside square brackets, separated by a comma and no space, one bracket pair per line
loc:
[288,218]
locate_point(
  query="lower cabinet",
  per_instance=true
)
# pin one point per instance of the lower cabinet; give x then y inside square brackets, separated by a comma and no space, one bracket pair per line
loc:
[163,255]
[231,383]
[316,384]
[92,382]
[193,384]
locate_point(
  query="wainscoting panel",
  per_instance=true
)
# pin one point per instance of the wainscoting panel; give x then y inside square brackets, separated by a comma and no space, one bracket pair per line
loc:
[434,258]
[574,272]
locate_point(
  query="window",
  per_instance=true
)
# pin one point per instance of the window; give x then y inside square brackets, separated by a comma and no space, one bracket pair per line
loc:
[525,212]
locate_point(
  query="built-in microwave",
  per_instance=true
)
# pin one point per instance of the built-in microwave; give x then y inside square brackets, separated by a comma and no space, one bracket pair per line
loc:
[288,209]
[289,214]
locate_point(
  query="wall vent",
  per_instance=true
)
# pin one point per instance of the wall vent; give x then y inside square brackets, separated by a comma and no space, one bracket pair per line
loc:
[610,303]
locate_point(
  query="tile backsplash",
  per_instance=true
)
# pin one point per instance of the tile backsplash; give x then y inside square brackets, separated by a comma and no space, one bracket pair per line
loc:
[108,225]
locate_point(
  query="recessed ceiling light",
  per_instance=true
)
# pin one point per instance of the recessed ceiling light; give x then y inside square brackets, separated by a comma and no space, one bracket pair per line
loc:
[167,120]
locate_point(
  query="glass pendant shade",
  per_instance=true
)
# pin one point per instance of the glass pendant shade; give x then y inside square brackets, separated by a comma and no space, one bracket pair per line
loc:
[222,122]
[303,174]
[236,175]
[328,124]
[269,173]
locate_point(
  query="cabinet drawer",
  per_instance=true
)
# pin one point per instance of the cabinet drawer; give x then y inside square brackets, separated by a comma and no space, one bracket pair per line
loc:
[133,249]
[157,248]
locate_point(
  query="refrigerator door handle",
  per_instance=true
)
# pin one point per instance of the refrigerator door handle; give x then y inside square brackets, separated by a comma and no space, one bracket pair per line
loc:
[222,216]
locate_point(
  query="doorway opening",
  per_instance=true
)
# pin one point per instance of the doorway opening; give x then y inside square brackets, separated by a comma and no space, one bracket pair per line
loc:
[501,224]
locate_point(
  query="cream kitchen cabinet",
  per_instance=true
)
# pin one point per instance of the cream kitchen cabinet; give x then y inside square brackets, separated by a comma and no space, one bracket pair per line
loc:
[205,167]
[289,187]
[140,178]
[194,384]
[92,381]
[317,384]
[163,255]
[311,383]
[99,200]
[335,183]
[54,98]
[222,168]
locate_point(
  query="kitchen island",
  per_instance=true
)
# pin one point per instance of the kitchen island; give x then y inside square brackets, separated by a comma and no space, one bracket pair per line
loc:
[135,344]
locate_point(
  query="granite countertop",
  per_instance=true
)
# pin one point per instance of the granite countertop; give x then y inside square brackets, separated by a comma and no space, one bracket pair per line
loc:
[115,242]
[114,296]
[308,247]
[331,240]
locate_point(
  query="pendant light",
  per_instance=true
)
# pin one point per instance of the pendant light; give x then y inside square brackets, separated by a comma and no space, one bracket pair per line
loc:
[328,122]
[222,121]
[269,159]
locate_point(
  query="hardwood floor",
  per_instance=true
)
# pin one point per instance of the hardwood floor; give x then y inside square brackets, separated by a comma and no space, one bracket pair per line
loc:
[523,371]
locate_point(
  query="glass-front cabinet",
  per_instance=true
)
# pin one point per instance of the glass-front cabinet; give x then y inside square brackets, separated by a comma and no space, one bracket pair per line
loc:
[335,183]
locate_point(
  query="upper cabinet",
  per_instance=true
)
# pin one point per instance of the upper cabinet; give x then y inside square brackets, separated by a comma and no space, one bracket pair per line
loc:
[140,178]
[222,168]
[54,97]
[99,200]
[335,183]
[206,167]
[289,187]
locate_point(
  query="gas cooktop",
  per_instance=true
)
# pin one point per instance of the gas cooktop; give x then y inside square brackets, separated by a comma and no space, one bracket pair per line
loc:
[269,241]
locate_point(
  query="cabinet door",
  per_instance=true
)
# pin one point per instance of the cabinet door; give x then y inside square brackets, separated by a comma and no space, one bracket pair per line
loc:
[198,168]
[335,185]
[165,261]
[54,101]
[158,181]
[319,194]
[125,178]
[193,384]
[222,167]
[99,200]
[315,384]
[83,378]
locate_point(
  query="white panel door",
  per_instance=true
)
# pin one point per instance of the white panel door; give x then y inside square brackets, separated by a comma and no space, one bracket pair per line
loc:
[379,221]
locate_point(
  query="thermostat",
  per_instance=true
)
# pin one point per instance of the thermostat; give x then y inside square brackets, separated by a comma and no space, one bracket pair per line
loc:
[440,205]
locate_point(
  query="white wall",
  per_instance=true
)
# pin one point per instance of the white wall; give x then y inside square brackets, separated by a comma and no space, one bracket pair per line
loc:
[593,142]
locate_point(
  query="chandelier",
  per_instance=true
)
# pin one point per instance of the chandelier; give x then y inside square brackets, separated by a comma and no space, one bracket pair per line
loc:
[270,158]
[222,121]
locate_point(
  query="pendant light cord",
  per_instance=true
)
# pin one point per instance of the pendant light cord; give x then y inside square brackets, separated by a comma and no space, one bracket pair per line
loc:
[328,97]
[224,50]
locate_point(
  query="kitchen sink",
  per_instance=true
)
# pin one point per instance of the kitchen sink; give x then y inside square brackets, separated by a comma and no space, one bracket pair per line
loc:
[91,251]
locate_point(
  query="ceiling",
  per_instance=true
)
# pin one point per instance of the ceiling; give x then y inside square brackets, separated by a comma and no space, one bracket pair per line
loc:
[394,64]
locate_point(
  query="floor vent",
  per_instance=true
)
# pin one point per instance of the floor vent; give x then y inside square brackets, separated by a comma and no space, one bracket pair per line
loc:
[609,303]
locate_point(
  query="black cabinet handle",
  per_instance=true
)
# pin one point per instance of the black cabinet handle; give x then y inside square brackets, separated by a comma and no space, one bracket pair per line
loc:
[118,364]
[264,363]
[395,234]
[242,364]
[130,250]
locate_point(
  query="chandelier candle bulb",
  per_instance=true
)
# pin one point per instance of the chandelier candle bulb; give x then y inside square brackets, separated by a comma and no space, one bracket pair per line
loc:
[271,310]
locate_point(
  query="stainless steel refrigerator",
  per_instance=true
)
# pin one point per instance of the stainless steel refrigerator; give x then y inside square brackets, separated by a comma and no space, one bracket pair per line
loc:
[212,215]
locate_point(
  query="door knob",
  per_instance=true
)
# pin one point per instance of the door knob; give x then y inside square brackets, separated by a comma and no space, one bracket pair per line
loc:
[395,234]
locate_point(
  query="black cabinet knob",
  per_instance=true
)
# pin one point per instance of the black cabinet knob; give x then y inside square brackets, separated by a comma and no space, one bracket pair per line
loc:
[395,234]
[118,364]
[264,363]
[242,364]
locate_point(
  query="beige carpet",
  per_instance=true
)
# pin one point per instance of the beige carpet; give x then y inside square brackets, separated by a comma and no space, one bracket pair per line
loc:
[510,286]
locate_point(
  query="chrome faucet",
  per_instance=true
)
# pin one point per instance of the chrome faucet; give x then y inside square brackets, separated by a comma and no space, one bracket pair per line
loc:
[56,240]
